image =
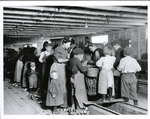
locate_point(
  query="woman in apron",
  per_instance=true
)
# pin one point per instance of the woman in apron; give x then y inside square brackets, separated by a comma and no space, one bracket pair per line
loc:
[59,65]
[44,59]
[18,73]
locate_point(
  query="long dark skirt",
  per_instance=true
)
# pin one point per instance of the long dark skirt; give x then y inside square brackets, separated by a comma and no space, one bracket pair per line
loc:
[24,78]
[45,76]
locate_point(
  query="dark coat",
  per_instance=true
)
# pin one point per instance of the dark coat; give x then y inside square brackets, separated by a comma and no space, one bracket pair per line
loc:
[119,54]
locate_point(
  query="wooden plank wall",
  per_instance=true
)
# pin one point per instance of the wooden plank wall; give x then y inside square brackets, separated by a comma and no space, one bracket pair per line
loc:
[138,37]
[80,40]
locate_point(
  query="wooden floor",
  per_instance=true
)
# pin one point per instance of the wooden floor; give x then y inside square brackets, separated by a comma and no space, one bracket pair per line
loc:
[16,102]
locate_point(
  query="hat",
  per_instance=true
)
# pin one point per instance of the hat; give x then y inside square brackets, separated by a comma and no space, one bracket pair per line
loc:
[47,44]
[66,40]
[114,42]
[78,51]
[72,41]
[128,51]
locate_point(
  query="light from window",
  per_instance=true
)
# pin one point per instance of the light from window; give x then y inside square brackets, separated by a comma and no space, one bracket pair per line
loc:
[34,45]
[100,39]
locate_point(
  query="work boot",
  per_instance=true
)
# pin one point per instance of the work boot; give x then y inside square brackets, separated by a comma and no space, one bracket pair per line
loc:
[110,94]
[103,97]
[135,102]
[126,99]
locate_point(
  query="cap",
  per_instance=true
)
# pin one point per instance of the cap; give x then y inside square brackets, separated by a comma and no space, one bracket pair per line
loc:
[114,42]
[128,50]
[66,40]
[78,51]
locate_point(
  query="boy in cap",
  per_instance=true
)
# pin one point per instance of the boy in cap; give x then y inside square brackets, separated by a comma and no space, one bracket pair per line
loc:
[79,96]
[128,66]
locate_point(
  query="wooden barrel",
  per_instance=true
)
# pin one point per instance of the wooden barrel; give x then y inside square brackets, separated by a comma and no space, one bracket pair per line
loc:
[91,81]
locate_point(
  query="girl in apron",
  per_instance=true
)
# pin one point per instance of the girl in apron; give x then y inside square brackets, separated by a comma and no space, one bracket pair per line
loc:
[106,78]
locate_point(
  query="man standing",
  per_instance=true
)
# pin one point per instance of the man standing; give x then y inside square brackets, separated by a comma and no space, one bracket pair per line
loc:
[119,54]
[97,53]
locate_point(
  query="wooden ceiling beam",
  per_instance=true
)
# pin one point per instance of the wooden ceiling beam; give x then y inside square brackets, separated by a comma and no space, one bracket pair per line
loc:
[74,16]
[44,10]
[28,25]
[70,20]
[72,23]
[118,8]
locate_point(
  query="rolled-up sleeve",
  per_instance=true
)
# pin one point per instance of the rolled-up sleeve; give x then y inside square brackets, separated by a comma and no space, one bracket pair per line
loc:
[99,62]
[82,68]
[41,57]
[138,67]
[121,65]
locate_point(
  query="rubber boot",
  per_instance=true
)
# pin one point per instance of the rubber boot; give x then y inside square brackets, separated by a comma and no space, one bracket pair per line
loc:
[135,102]
[110,94]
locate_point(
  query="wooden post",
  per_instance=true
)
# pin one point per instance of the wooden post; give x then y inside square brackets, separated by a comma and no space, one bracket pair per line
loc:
[139,43]
[146,40]
[119,35]
[131,38]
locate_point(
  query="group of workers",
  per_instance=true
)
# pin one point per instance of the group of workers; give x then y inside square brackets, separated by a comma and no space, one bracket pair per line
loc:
[58,74]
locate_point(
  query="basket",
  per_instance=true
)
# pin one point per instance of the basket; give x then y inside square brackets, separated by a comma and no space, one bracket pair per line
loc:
[93,72]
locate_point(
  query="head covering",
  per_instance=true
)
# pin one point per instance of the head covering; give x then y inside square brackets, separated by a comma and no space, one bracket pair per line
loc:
[78,51]
[47,44]
[114,42]
[72,41]
[66,40]
[128,51]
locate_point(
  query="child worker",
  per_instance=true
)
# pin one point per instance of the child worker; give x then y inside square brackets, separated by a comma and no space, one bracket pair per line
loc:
[128,67]
[106,78]
[32,73]
[79,95]
[54,93]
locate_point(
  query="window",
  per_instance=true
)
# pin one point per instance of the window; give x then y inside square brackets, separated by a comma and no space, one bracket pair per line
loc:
[34,45]
[100,39]
[129,43]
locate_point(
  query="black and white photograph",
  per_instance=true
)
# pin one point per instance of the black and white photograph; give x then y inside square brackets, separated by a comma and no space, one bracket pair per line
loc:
[74,59]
